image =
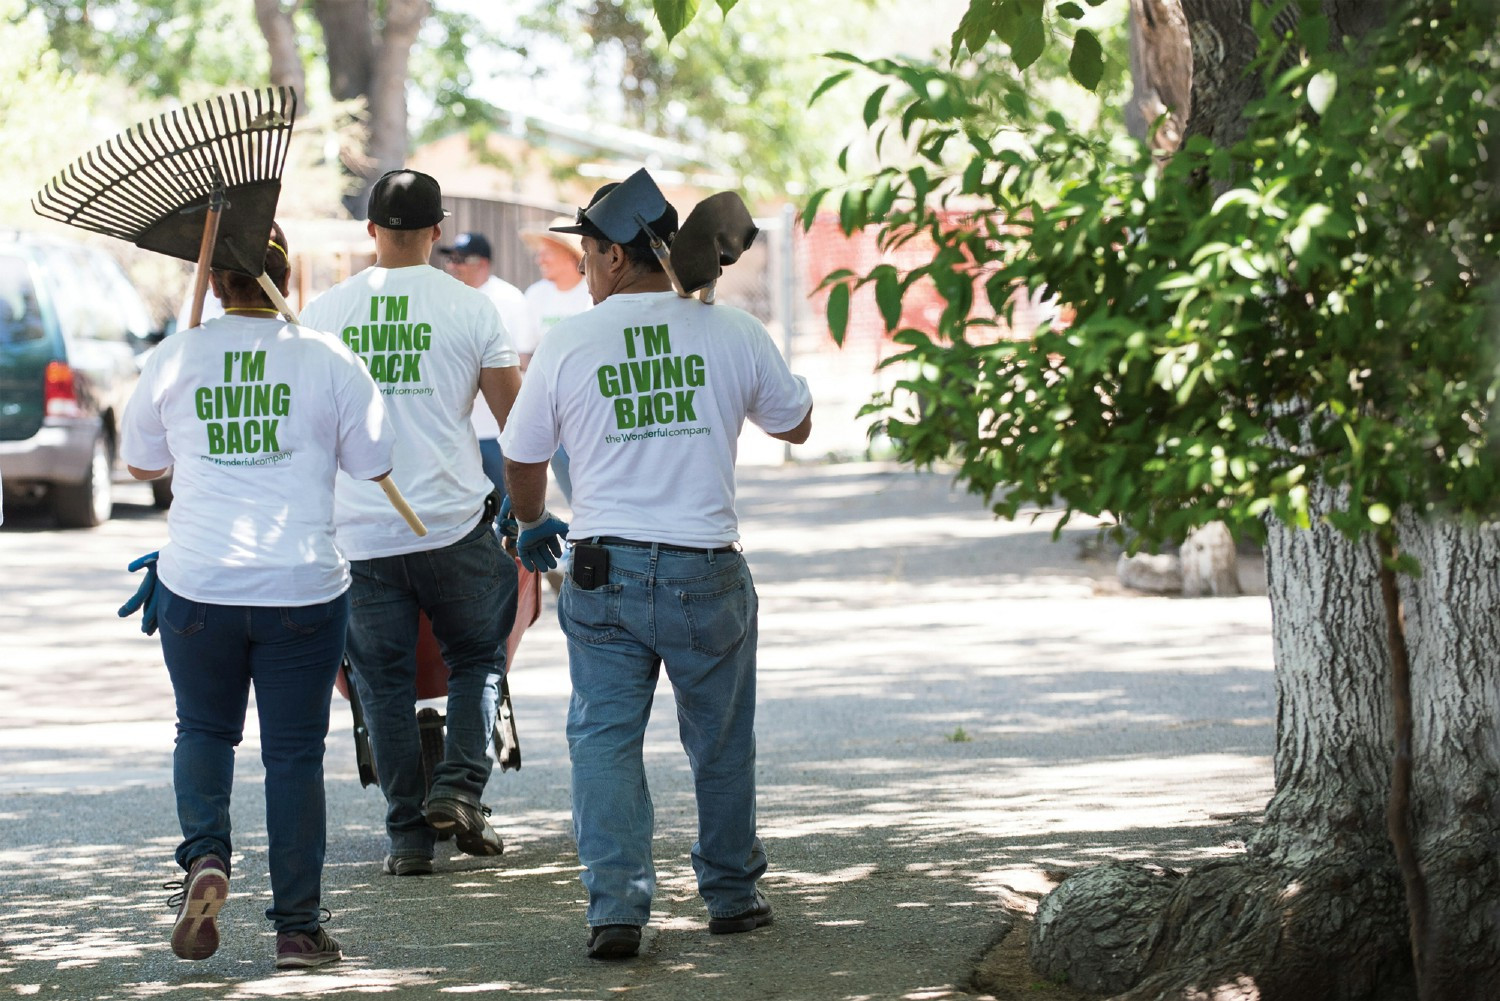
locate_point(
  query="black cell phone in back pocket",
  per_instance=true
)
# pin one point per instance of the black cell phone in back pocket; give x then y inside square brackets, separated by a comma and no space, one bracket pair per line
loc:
[590,566]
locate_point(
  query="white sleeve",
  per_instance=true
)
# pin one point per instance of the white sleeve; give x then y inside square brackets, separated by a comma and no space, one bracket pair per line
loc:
[143,436]
[779,399]
[530,433]
[366,438]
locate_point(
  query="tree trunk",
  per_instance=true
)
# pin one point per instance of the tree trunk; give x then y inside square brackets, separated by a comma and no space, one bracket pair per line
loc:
[375,66]
[1453,633]
[348,46]
[388,119]
[281,42]
[1316,910]
[1161,73]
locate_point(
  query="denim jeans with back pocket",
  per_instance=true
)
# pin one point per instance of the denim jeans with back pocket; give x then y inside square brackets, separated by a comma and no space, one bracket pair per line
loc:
[695,613]
[214,654]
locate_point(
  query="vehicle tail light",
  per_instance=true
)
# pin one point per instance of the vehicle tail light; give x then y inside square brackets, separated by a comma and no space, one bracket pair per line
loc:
[59,394]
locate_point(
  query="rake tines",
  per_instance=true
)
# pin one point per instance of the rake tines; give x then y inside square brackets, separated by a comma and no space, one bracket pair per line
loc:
[151,184]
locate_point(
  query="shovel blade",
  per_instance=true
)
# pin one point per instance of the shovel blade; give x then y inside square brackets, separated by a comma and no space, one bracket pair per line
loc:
[716,233]
[619,213]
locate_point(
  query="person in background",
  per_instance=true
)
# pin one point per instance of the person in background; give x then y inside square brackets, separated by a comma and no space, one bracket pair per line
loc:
[560,293]
[450,346]
[656,576]
[468,260]
[257,416]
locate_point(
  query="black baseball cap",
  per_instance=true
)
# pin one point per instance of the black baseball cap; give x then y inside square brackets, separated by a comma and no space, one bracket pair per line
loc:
[469,245]
[615,213]
[406,199]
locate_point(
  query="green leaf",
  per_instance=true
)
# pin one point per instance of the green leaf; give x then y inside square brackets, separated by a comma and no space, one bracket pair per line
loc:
[888,297]
[1029,41]
[852,210]
[882,196]
[675,15]
[828,83]
[1070,10]
[810,213]
[1086,64]
[872,103]
[838,312]
[1321,89]
[976,26]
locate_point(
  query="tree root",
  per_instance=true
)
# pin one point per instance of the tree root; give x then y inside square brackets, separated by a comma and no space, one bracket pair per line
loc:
[1240,930]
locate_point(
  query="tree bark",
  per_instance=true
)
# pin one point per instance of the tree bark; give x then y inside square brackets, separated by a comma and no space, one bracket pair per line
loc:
[388,117]
[1161,73]
[281,42]
[1316,909]
[348,46]
[374,65]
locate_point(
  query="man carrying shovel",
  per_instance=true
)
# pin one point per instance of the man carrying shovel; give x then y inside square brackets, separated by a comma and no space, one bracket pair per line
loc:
[648,392]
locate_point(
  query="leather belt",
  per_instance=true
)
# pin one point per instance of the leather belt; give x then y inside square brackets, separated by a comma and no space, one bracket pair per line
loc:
[615,540]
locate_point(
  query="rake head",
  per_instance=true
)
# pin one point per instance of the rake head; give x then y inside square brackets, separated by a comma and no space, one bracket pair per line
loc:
[153,183]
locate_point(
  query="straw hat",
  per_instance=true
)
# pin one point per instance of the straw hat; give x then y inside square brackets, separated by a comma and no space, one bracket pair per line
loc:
[570,242]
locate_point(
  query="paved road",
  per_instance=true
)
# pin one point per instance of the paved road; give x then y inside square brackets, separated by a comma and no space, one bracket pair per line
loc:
[952,711]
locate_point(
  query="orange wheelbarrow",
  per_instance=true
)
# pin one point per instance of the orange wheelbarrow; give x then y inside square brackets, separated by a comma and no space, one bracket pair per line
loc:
[432,683]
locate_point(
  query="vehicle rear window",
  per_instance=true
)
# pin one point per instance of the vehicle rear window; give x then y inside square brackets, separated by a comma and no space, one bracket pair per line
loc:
[20,315]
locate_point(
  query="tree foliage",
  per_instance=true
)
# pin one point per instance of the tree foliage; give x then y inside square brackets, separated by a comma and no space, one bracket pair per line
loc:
[1313,303]
[165,48]
[733,88]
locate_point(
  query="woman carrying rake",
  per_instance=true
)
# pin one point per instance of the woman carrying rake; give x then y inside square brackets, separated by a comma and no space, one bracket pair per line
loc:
[256,415]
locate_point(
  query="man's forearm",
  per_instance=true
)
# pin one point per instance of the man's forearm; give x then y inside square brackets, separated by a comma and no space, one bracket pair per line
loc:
[526,482]
[499,387]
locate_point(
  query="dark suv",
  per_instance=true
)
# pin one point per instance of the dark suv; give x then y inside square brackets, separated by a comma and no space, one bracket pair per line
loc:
[72,328]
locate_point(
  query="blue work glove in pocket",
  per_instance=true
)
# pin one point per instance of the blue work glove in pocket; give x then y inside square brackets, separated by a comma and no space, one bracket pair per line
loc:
[145,596]
[540,543]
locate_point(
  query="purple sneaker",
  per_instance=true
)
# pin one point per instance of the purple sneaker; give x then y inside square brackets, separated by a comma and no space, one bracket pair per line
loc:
[298,950]
[196,932]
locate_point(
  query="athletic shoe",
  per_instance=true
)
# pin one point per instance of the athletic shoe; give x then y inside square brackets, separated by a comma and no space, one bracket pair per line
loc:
[407,865]
[759,914]
[471,831]
[614,941]
[195,935]
[298,950]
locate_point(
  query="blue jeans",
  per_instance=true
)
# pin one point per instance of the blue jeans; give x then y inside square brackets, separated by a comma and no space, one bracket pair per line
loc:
[697,614]
[214,653]
[468,590]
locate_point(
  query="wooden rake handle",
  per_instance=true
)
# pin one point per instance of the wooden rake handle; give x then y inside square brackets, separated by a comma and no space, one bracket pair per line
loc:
[391,492]
[205,258]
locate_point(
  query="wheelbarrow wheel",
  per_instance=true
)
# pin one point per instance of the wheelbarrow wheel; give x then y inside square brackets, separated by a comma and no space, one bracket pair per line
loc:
[430,728]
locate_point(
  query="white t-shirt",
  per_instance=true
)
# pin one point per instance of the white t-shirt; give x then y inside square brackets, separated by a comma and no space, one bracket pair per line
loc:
[510,302]
[255,415]
[549,304]
[648,393]
[424,335]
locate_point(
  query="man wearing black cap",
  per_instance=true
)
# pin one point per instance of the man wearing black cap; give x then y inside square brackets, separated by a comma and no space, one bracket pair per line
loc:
[648,391]
[431,344]
[468,260]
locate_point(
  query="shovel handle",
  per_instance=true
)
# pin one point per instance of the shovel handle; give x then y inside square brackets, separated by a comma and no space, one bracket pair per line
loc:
[269,287]
[404,509]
